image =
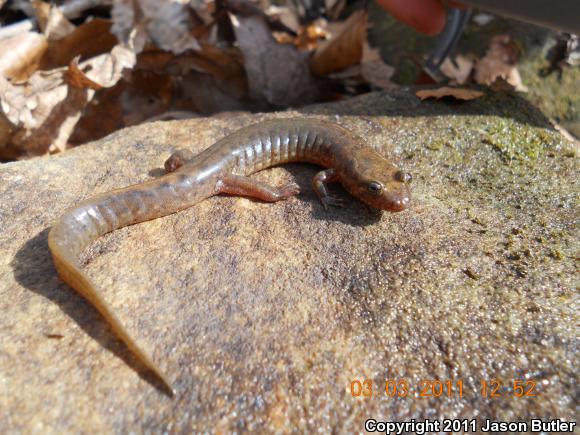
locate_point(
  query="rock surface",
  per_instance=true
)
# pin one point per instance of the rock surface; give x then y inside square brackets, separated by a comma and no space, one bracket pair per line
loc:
[263,315]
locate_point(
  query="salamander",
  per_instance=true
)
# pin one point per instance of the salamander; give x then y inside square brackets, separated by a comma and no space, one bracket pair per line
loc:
[225,167]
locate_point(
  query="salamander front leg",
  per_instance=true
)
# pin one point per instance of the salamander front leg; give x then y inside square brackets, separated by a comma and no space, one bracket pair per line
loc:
[177,160]
[244,186]
[319,183]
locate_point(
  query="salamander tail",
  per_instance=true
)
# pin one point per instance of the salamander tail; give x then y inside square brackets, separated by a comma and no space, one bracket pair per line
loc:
[64,248]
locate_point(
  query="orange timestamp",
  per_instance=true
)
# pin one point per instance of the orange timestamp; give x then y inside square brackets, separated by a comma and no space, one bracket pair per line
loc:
[492,388]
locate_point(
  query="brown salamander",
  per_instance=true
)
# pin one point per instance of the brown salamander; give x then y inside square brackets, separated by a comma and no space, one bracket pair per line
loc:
[224,168]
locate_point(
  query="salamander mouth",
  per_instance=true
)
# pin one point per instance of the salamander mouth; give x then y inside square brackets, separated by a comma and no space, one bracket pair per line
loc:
[397,203]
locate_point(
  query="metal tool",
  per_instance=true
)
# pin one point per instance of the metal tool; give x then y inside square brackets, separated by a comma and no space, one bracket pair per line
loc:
[447,42]
[562,15]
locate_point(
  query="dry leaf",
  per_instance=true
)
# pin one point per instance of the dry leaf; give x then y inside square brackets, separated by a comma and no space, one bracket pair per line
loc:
[147,94]
[499,61]
[371,71]
[374,70]
[566,133]
[457,70]
[277,74]
[334,8]
[463,94]
[52,22]
[308,37]
[244,8]
[206,81]
[572,52]
[167,22]
[102,116]
[565,52]
[285,15]
[344,49]
[501,85]
[7,129]
[41,11]
[204,9]
[88,40]
[21,54]
[225,65]
[57,25]
[212,80]
[201,93]
[23,6]
[75,77]
[44,110]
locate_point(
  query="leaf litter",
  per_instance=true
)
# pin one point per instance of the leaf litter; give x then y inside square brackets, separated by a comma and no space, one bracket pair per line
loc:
[73,73]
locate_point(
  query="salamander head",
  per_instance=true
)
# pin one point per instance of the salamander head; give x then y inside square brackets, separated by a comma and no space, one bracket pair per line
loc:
[389,192]
[377,182]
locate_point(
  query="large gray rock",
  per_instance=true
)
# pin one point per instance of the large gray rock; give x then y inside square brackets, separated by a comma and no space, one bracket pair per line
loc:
[262,315]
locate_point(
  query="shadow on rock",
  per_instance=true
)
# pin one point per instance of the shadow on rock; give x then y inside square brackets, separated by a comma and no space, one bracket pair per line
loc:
[402,103]
[354,213]
[33,269]
[156,172]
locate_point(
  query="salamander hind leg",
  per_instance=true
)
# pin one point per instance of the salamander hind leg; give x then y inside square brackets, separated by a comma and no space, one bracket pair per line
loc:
[319,183]
[244,186]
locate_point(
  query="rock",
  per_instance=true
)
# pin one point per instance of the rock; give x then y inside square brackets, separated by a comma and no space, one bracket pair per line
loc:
[268,317]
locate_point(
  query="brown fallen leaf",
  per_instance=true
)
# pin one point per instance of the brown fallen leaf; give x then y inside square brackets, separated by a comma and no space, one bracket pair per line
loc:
[500,62]
[204,82]
[7,129]
[501,85]
[21,54]
[375,71]
[77,78]
[565,52]
[51,20]
[225,65]
[101,117]
[308,37]
[463,94]
[247,8]
[88,40]
[53,123]
[167,23]
[284,15]
[146,94]
[566,133]
[344,48]
[457,70]
[201,93]
[44,110]
[371,70]
[334,8]
[278,74]
[41,10]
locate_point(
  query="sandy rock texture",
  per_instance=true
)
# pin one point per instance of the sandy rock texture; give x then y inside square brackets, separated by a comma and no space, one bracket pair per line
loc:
[265,316]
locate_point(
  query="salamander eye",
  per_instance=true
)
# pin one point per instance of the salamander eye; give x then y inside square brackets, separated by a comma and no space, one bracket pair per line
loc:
[403,177]
[375,188]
